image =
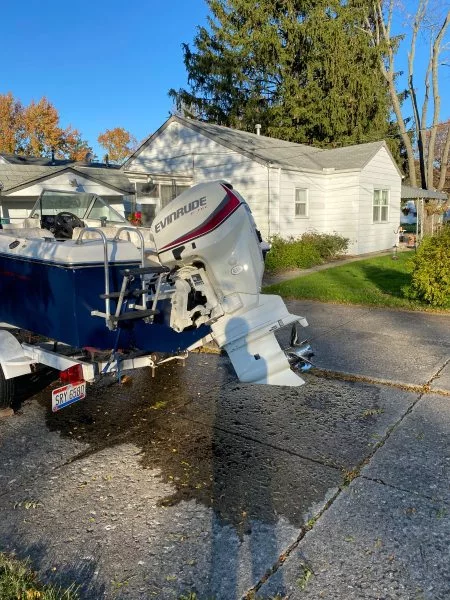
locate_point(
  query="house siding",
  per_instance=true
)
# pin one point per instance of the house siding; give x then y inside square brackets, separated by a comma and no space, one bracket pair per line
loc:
[380,173]
[342,207]
[16,209]
[183,152]
[314,183]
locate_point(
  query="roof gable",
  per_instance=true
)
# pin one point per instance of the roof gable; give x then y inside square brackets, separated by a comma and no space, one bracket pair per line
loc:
[17,177]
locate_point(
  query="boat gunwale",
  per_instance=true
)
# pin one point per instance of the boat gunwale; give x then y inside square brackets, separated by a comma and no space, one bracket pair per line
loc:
[68,265]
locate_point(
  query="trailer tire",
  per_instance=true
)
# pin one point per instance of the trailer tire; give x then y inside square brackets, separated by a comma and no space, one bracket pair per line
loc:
[6,390]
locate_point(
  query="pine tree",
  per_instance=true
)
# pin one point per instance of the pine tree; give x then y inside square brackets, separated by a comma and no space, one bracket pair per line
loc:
[305,69]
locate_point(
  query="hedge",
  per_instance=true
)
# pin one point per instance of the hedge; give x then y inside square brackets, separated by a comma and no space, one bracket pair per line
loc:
[305,251]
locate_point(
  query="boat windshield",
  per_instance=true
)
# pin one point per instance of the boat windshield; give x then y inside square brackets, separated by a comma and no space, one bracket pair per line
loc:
[81,204]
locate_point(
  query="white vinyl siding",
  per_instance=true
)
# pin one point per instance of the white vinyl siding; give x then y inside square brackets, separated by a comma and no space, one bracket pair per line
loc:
[379,174]
[199,158]
[380,206]
[341,212]
[301,203]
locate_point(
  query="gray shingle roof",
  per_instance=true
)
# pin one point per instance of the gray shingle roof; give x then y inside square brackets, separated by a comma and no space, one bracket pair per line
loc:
[113,177]
[17,159]
[349,157]
[268,149]
[12,176]
[278,153]
[19,176]
[46,161]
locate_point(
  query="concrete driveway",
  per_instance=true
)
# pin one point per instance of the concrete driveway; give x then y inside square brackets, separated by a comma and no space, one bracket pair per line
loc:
[193,482]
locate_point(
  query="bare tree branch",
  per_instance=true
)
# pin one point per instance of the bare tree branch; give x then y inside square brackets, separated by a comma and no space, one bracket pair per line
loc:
[444,161]
[388,72]
[436,49]
[418,121]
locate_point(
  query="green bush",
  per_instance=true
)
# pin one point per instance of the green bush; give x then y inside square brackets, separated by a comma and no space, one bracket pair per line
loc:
[304,252]
[431,270]
[329,245]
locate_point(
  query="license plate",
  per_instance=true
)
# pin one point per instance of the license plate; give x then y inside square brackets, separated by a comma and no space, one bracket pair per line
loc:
[68,394]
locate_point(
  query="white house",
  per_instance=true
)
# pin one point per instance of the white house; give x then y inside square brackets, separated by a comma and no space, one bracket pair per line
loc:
[291,188]
[22,179]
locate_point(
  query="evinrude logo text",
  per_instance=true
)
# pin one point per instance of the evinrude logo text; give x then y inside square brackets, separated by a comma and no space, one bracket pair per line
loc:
[183,210]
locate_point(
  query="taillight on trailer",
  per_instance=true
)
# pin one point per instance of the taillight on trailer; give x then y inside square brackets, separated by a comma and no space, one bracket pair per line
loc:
[72,374]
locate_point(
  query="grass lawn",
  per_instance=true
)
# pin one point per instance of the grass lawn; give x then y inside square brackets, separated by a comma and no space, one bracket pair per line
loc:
[19,582]
[374,282]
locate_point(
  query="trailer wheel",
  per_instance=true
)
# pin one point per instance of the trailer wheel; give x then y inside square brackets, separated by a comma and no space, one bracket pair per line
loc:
[6,390]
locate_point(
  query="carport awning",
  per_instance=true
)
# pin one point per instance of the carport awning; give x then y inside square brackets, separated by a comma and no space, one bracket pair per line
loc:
[414,193]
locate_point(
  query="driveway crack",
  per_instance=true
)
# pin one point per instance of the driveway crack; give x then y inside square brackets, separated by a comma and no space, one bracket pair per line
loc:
[250,438]
[405,490]
[356,473]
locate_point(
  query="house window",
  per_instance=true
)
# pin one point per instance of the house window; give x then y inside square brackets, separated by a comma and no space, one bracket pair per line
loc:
[170,191]
[380,206]
[301,203]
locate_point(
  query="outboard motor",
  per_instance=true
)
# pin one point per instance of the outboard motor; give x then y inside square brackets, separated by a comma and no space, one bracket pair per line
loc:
[208,238]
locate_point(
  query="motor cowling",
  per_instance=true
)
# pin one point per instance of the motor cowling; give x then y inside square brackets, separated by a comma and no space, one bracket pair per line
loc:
[210,225]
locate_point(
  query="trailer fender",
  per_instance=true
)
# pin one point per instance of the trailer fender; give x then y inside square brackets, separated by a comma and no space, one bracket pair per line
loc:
[13,360]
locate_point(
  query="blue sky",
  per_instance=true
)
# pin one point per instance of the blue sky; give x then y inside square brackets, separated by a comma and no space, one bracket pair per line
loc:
[102,64]
[107,64]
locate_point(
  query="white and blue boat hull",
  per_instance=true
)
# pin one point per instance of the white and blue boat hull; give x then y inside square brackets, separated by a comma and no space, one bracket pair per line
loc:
[55,298]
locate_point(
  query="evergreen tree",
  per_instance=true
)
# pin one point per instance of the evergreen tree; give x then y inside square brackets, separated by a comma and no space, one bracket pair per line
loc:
[305,69]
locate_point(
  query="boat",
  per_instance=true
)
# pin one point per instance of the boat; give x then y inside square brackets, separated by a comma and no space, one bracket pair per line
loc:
[77,273]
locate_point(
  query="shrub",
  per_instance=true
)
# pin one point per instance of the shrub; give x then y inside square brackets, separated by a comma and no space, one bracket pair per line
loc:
[304,252]
[431,270]
[329,245]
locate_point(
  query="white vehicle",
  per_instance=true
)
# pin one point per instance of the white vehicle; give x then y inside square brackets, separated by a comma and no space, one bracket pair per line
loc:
[116,297]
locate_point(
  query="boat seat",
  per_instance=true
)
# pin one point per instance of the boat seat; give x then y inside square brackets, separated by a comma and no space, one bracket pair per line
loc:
[27,233]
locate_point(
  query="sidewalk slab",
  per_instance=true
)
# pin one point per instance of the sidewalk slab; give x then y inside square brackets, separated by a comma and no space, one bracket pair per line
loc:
[401,324]
[28,451]
[416,457]
[194,482]
[373,542]
[373,355]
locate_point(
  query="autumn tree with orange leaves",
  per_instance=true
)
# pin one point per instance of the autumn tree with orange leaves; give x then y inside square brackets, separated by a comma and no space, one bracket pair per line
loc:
[118,142]
[11,124]
[34,130]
